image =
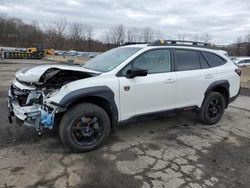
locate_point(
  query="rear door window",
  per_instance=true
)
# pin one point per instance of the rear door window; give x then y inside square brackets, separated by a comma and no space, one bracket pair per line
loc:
[186,60]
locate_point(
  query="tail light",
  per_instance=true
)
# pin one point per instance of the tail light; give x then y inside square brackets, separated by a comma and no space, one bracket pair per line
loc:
[238,71]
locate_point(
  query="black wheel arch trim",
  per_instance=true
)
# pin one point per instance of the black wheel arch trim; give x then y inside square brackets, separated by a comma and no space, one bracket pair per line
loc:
[102,92]
[220,83]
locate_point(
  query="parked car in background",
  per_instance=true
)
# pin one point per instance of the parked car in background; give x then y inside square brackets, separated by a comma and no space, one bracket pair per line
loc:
[74,53]
[71,53]
[242,61]
[60,52]
[93,54]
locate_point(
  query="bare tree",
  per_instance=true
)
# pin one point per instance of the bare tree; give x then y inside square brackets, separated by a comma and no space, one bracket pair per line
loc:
[158,34]
[239,48]
[80,36]
[203,37]
[196,37]
[206,37]
[247,45]
[57,32]
[89,32]
[77,35]
[130,36]
[89,35]
[133,34]
[147,34]
[117,34]
[59,26]
[16,33]
[106,37]
[77,31]
[181,36]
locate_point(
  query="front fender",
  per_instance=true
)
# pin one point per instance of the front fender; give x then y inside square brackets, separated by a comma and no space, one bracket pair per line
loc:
[102,92]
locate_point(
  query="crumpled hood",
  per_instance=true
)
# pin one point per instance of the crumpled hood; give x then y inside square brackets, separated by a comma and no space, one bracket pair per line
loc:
[33,74]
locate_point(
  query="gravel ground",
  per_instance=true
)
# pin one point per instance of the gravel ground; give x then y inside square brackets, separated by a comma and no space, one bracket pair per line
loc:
[170,151]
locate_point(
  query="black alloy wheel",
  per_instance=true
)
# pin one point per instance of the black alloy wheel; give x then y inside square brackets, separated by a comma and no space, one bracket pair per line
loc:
[87,130]
[212,108]
[84,127]
[215,108]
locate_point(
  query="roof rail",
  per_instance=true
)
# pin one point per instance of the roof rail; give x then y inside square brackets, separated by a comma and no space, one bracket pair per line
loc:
[162,42]
[131,43]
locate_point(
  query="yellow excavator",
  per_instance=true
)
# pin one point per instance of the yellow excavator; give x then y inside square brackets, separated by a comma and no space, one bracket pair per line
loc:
[37,51]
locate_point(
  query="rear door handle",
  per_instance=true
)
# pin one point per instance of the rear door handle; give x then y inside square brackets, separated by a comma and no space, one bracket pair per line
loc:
[170,80]
[209,76]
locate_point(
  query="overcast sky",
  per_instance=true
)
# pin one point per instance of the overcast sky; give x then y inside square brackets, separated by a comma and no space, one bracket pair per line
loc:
[225,20]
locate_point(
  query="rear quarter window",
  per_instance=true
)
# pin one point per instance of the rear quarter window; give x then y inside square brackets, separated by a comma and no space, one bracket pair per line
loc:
[213,59]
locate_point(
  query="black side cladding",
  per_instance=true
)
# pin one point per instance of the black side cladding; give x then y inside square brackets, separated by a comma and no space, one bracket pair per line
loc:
[103,92]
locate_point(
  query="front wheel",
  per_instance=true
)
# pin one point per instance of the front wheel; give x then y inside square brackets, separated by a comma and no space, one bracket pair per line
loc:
[84,127]
[212,109]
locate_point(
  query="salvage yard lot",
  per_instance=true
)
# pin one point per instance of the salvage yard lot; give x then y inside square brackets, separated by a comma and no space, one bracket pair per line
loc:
[169,151]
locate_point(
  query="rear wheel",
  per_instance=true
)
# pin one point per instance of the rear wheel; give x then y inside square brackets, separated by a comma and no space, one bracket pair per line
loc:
[212,109]
[84,127]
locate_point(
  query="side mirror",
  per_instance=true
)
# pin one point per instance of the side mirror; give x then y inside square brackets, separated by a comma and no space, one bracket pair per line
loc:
[136,72]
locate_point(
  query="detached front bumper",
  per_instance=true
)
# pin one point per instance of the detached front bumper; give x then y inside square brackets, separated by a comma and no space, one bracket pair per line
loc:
[33,114]
[24,113]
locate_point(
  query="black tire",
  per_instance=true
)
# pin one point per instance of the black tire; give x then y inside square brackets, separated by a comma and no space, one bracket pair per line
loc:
[212,108]
[77,130]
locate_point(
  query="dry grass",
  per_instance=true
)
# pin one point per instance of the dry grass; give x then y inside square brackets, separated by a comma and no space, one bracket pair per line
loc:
[245,77]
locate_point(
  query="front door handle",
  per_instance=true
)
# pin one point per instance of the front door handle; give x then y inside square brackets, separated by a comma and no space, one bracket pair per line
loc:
[126,88]
[170,80]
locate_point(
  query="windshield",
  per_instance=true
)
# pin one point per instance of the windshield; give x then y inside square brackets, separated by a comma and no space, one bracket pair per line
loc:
[110,59]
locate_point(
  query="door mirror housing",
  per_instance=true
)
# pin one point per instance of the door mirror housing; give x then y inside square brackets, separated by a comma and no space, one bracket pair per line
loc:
[132,73]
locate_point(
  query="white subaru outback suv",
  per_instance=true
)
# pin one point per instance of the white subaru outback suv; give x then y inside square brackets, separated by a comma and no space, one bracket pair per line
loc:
[125,83]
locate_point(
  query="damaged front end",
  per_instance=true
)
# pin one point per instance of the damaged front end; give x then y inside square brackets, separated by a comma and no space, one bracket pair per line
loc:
[28,101]
[28,105]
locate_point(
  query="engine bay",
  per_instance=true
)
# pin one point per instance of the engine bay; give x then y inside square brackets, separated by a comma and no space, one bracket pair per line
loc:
[55,78]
